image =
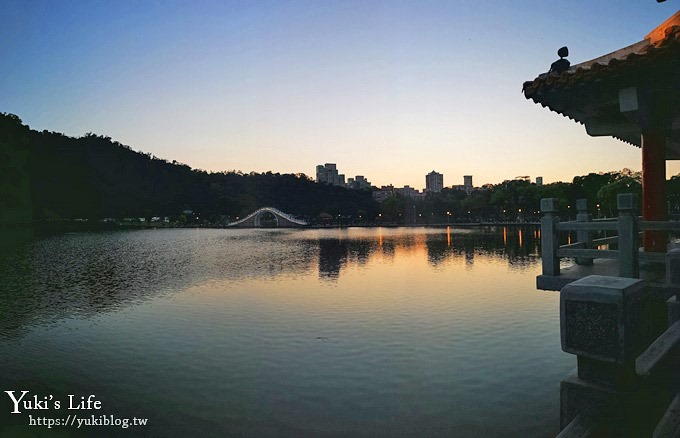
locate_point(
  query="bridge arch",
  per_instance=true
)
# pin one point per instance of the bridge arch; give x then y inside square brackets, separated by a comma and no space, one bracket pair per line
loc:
[282,219]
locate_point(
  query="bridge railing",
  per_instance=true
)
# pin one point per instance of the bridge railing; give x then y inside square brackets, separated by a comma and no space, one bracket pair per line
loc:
[627,226]
[275,211]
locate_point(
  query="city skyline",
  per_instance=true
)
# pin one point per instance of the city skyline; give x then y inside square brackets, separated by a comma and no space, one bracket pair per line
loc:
[328,173]
[387,89]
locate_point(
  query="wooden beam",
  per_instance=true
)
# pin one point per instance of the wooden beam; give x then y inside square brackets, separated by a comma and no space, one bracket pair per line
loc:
[654,206]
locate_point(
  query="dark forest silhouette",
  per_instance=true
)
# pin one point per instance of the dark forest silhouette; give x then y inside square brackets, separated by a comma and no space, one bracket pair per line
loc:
[94,177]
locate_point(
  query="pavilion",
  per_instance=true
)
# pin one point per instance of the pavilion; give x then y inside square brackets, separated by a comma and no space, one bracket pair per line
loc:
[632,94]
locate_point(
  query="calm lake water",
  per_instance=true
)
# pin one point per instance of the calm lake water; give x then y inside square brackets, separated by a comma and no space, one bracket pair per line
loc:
[380,332]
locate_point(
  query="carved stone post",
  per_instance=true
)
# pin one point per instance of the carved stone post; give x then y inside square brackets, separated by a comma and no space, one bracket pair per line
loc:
[549,240]
[628,236]
[583,236]
[603,322]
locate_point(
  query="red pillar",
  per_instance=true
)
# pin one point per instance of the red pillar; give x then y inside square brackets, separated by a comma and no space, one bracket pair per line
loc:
[654,207]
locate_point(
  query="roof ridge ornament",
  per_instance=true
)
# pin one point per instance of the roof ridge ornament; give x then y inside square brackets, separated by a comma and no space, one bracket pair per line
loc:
[623,92]
[562,64]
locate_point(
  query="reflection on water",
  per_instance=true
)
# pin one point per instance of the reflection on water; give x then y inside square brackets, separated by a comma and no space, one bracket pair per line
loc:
[350,332]
[336,249]
[78,275]
[73,275]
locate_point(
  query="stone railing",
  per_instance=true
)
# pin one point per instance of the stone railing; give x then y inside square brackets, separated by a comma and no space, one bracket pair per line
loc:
[627,381]
[627,227]
[624,331]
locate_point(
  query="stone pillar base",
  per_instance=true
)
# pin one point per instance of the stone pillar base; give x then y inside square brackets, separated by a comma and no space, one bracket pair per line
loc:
[609,411]
[673,310]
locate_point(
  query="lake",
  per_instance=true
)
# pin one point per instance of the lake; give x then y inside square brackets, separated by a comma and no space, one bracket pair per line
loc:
[380,332]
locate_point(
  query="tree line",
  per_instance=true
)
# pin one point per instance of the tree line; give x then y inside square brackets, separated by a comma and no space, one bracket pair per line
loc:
[518,200]
[50,176]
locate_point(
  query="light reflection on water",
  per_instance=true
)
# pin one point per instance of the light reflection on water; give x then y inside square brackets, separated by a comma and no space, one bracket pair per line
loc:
[340,332]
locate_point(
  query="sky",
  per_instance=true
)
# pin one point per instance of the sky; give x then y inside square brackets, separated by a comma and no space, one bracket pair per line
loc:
[386,89]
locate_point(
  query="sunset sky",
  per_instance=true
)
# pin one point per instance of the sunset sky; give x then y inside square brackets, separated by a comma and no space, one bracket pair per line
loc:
[386,89]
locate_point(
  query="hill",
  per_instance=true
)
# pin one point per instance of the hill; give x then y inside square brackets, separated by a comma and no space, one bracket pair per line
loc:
[47,175]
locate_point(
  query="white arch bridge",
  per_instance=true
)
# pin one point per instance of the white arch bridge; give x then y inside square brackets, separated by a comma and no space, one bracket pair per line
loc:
[281,219]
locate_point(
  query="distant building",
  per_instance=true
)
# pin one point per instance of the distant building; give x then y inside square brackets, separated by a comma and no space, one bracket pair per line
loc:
[467,183]
[383,193]
[539,180]
[328,173]
[409,192]
[434,182]
[358,182]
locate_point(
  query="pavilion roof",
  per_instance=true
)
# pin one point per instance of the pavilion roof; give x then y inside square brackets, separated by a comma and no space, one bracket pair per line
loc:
[589,92]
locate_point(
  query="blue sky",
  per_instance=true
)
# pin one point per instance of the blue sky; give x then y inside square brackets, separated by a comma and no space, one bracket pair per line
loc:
[386,89]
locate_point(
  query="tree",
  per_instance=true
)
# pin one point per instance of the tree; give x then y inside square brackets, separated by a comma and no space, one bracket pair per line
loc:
[607,194]
[587,187]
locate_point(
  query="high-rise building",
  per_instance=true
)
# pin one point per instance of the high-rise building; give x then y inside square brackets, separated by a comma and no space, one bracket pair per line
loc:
[328,173]
[358,182]
[321,174]
[434,182]
[467,183]
[539,180]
